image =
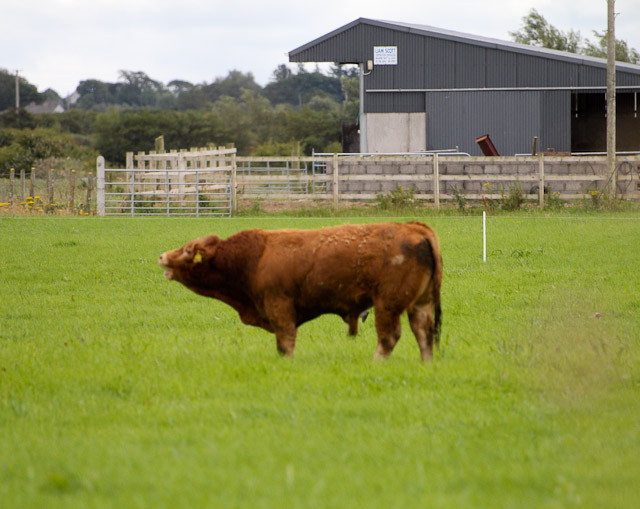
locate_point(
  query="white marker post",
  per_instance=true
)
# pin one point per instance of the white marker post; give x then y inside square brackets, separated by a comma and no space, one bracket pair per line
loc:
[484,236]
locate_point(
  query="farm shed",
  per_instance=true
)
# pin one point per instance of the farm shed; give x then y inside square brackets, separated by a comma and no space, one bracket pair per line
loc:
[425,88]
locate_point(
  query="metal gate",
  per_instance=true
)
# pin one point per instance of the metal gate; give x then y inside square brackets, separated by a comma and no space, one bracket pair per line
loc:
[196,183]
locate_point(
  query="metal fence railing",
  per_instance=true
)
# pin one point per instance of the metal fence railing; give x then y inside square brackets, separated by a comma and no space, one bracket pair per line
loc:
[212,182]
[274,177]
[196,183]
[133,192]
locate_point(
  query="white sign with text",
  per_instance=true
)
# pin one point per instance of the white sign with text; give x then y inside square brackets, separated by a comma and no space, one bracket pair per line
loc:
[385,55]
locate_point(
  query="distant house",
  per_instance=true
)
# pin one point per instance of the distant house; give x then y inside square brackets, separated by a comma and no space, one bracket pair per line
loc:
[425,88]
[73,98]
[52,106]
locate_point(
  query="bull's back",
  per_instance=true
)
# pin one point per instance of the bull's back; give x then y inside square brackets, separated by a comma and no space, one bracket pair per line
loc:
[337,266]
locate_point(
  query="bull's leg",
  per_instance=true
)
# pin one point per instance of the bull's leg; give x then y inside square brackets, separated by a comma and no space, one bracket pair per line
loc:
[422,325]
[352,320]
[388,328]
[282,319]
[286,341]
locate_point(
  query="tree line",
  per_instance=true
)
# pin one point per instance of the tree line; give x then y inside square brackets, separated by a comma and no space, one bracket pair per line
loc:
[296,108]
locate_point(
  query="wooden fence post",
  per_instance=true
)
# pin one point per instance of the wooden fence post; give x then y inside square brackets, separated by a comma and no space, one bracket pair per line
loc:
[12,178]
[336,182]
[87,204]
[100,203]
[32,183]
[234,184]
[23,183]
[72,190]
[436,181]
[50,186]
[159,144]
[541,179]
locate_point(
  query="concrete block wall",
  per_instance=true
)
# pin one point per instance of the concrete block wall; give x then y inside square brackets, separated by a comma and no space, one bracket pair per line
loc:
[423,172]
[484,169]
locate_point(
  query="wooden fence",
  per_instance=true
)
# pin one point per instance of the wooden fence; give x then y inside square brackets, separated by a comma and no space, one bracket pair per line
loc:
[176,180]
[439,178]
[59,191]
[212,181]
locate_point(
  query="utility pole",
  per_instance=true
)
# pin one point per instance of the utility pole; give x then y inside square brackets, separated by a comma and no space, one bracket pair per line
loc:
[611,94]
[17,91]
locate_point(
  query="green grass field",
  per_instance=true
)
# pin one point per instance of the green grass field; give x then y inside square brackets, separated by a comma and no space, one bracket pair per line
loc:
[119,388]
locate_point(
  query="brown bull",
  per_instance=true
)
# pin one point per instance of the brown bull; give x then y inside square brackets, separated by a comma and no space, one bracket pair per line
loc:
[280,279]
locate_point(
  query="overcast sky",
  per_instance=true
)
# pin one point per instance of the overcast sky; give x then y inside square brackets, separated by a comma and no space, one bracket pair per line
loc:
[58,43]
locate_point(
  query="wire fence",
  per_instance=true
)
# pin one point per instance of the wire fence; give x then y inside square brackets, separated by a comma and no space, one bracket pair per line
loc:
[60,192]
[212,181]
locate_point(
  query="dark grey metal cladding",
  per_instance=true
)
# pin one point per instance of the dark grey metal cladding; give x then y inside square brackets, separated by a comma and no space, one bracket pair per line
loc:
[346,45]
[592,76]
[437,70]
[531,71]
[511,118]
[434,58]
[501,69]
[555,121]
[389,102]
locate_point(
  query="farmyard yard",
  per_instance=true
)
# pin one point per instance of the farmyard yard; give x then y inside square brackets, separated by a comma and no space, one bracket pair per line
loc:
[121,389]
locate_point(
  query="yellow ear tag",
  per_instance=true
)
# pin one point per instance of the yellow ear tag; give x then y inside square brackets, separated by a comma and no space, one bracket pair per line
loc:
[197,258]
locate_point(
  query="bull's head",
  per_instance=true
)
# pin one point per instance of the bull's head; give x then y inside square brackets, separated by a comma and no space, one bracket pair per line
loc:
[188,262]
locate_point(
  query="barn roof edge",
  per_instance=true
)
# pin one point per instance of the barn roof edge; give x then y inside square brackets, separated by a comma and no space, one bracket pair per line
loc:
[476,40]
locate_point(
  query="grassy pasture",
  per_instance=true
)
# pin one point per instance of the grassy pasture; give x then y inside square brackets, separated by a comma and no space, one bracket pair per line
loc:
[121,389]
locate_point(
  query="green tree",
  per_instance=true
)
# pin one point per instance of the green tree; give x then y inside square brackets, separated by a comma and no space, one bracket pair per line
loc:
[178,87]
[315,128]
[236,125]
[95,94]
[18,118]
[233,85]
[193,99]
[298,88]
[23,148]
[537,31]
[120,131]
[75,121]
[138,89]
[28,92]
[599,49]
[351,91]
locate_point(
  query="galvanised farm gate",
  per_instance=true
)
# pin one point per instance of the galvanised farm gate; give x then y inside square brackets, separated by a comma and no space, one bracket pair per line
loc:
[200,182]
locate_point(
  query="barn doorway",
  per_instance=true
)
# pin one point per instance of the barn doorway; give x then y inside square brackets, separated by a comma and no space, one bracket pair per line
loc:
[589,122]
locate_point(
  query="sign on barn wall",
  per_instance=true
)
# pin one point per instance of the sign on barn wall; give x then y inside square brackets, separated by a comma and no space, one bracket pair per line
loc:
[385,55]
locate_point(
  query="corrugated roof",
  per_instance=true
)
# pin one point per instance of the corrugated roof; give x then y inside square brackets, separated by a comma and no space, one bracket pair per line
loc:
[477,40]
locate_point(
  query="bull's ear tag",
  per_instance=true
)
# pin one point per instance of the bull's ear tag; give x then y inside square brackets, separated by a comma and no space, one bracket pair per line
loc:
[197,258]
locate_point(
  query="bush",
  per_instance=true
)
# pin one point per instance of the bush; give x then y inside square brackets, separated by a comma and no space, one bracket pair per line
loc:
[460,197]
[514,198]
[23,149]
[553,201]
[397,198]
[335,147]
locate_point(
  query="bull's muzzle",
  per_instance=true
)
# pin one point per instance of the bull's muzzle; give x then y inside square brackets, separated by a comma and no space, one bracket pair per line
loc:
[163,261]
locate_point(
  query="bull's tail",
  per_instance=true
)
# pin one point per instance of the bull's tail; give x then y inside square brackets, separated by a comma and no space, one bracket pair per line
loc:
[437,317]
[428,255]
[436,283]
